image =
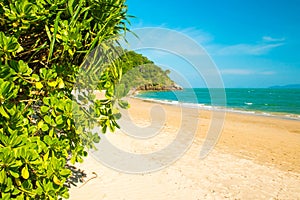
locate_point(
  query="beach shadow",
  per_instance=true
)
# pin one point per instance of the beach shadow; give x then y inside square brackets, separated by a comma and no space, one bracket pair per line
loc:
[77,176]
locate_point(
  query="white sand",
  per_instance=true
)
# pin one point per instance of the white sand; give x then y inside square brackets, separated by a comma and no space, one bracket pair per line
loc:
[226,173]
[219,176]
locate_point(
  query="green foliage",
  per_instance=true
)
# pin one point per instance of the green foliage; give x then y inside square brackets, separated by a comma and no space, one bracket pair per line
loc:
[139,71]
[43,45]
[132,59]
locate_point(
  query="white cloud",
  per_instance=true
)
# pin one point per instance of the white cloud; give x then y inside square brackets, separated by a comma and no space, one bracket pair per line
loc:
[236,72]
[271,39]
[246,49]
[245,72]
[262,47]
[200,36]
[268,73]
[162,39]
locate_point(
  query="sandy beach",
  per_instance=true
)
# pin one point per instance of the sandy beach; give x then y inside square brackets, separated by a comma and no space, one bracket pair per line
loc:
[256,157]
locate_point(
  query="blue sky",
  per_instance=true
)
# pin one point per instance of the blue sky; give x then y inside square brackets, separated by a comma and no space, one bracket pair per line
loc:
[253,43]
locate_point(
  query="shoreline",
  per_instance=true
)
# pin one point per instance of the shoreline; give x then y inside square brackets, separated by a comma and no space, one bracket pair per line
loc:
[278,115]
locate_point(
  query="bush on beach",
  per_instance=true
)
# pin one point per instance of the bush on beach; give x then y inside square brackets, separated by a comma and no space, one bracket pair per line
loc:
[43,48]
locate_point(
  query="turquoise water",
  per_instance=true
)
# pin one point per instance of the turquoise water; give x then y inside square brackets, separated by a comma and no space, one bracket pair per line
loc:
[285,102]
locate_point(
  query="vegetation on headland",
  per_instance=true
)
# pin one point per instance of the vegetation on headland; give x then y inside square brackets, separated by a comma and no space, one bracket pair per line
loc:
[140,73]
[43,44]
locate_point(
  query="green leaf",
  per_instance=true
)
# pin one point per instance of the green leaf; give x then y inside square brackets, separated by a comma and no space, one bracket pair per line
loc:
[9,184]
[43,73]
[45,109]
[3,176]
[123,104]
[20,197]
[18,182]
[25,172]
[56,180]
[59,120]
[38,85]
[54,35]
[6,196]
[96,138]
[52,83]
[14,173]
[61,83]
[51,132]
[65,172]
[65,195]
[48,140]
[24,68]
[46,101]
[35,77]
[40,124]
[3,112]
[45,127]
[48,119]
[46,156]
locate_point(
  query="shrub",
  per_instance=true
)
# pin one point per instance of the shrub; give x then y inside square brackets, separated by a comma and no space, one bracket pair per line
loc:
[43,46]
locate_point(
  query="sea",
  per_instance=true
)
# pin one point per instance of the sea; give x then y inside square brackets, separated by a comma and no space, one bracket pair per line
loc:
[277,102]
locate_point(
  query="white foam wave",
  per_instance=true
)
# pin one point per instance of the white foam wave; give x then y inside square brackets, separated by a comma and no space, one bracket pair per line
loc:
[224,109]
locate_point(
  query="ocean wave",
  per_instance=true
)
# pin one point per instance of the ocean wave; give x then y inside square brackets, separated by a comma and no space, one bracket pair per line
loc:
[224,109]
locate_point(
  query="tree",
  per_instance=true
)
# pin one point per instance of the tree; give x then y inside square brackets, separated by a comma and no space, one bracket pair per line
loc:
[43,48]
[140,72]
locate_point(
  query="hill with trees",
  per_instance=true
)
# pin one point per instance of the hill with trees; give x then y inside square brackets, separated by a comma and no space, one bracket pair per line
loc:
[140,73]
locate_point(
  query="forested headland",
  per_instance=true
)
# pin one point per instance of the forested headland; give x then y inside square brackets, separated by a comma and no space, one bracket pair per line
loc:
[140,73]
